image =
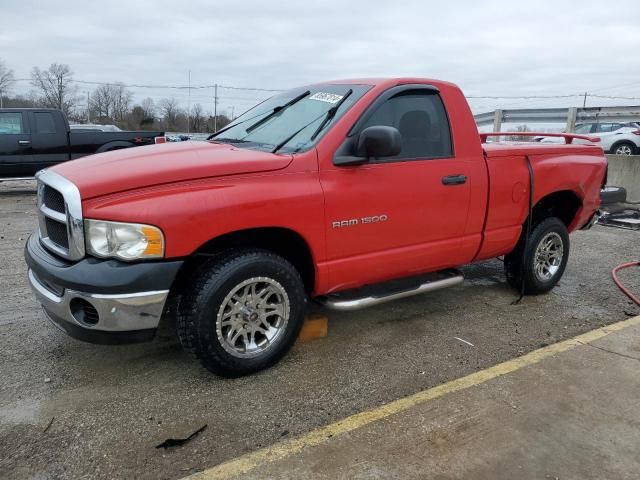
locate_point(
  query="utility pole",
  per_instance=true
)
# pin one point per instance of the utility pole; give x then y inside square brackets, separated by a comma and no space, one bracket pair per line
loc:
[584,103]
[215,108]
[232,110]
[189,107]
[88,109]
[0,98]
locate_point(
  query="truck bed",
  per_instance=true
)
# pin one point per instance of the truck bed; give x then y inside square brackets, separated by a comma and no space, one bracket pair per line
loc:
[500,149]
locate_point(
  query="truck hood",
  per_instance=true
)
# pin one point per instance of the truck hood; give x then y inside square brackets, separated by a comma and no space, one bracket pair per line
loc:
[140,167]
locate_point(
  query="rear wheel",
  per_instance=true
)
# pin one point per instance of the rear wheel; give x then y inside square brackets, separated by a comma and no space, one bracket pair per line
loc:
[243,313]
[624,148]
[544,259]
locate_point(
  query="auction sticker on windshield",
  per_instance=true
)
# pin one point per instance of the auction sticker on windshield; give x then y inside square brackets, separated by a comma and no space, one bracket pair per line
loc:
[326,97]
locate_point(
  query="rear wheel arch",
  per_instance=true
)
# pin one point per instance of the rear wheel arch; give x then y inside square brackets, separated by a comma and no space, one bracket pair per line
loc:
[117,145]
[563,204]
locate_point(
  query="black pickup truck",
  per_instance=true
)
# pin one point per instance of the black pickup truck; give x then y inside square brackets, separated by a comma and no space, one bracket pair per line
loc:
[35,138]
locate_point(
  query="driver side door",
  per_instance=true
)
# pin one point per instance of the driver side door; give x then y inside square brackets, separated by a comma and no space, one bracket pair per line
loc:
[402,215]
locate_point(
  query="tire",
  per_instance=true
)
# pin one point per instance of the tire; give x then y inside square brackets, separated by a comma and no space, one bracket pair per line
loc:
[623,148]
[609,195]
[242,312]
[548,232]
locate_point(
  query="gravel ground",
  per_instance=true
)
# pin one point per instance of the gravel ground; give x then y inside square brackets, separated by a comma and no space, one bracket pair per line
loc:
[75,410]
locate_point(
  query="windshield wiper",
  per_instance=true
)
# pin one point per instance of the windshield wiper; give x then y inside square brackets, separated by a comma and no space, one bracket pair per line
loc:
[230,140]
[231,125]
[277,110]
[268,113]
[330,114]
[327,118]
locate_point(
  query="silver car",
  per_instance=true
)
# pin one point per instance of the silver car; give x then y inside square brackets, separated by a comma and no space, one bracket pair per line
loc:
[615,137]
[618,138]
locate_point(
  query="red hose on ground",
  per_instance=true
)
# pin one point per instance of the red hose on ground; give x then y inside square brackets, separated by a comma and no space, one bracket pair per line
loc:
[627,292]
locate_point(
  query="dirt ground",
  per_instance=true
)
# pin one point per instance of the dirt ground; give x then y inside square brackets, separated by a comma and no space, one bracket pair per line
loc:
[73,410]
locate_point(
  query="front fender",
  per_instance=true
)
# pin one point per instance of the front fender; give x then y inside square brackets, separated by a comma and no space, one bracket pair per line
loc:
[192,213]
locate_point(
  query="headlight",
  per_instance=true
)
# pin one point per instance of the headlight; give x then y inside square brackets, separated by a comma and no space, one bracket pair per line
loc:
[126,241]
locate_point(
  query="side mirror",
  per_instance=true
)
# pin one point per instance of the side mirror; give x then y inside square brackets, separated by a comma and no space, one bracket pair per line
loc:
[379,141]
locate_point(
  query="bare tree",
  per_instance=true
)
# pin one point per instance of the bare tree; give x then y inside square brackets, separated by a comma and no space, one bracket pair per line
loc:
[219,122]
[55,86]
[135,118]
[6,80]
[197,118]
[122,101]
[521,138]
[149,107]
[101,103]
[169,109]
[111,102]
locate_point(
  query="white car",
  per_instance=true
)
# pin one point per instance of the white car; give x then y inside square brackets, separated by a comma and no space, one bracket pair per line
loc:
[615,137]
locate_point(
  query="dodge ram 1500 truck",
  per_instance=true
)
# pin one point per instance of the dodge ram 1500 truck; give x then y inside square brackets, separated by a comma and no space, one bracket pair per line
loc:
[35,138]
[350,193]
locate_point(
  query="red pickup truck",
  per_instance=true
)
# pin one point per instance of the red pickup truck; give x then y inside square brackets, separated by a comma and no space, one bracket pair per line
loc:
[350,193]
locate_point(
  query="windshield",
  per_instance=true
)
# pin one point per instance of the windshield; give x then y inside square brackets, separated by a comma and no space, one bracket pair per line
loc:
[291,121]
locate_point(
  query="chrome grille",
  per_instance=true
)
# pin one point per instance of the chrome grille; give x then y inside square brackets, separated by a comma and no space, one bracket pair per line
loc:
[53,199]
[60,215]
[57,233]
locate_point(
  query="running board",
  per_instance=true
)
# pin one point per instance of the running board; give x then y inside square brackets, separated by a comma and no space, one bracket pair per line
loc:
[371,295]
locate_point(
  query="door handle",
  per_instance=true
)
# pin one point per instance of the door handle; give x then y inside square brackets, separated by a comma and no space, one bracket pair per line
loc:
[454,179]
[24,142]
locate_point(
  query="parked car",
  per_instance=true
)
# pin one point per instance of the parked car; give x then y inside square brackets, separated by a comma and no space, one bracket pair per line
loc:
[615,137]
[350,193]
[35,138]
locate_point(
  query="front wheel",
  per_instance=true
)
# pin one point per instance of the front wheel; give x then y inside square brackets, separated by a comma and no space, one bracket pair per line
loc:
[243,312]
[544,259]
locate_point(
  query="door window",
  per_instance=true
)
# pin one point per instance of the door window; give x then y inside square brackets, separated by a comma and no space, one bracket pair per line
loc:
[11,123]
[584,128]
[422,122]
[45,123]
[606,127]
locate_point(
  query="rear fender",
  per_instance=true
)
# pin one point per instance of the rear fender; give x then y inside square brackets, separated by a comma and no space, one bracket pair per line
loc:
[577,173]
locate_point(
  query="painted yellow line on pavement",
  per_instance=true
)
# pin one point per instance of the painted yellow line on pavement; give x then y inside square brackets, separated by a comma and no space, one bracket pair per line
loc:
[248,462]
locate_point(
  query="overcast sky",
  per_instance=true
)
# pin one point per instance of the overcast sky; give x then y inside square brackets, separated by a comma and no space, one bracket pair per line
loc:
[487,47]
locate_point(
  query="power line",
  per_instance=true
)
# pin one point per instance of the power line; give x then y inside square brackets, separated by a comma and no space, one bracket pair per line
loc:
[273,90]
[175,87]
[612,97]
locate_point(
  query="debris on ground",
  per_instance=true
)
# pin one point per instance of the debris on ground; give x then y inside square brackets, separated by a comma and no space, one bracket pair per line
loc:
[176,442]
[464,341]
[48,425]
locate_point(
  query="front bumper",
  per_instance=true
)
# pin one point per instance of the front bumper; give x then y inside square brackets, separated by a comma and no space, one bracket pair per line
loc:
[100,301]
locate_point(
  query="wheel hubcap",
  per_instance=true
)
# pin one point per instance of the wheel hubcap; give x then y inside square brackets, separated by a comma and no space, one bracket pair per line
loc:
[623,150]
[252,317]
[548,256]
